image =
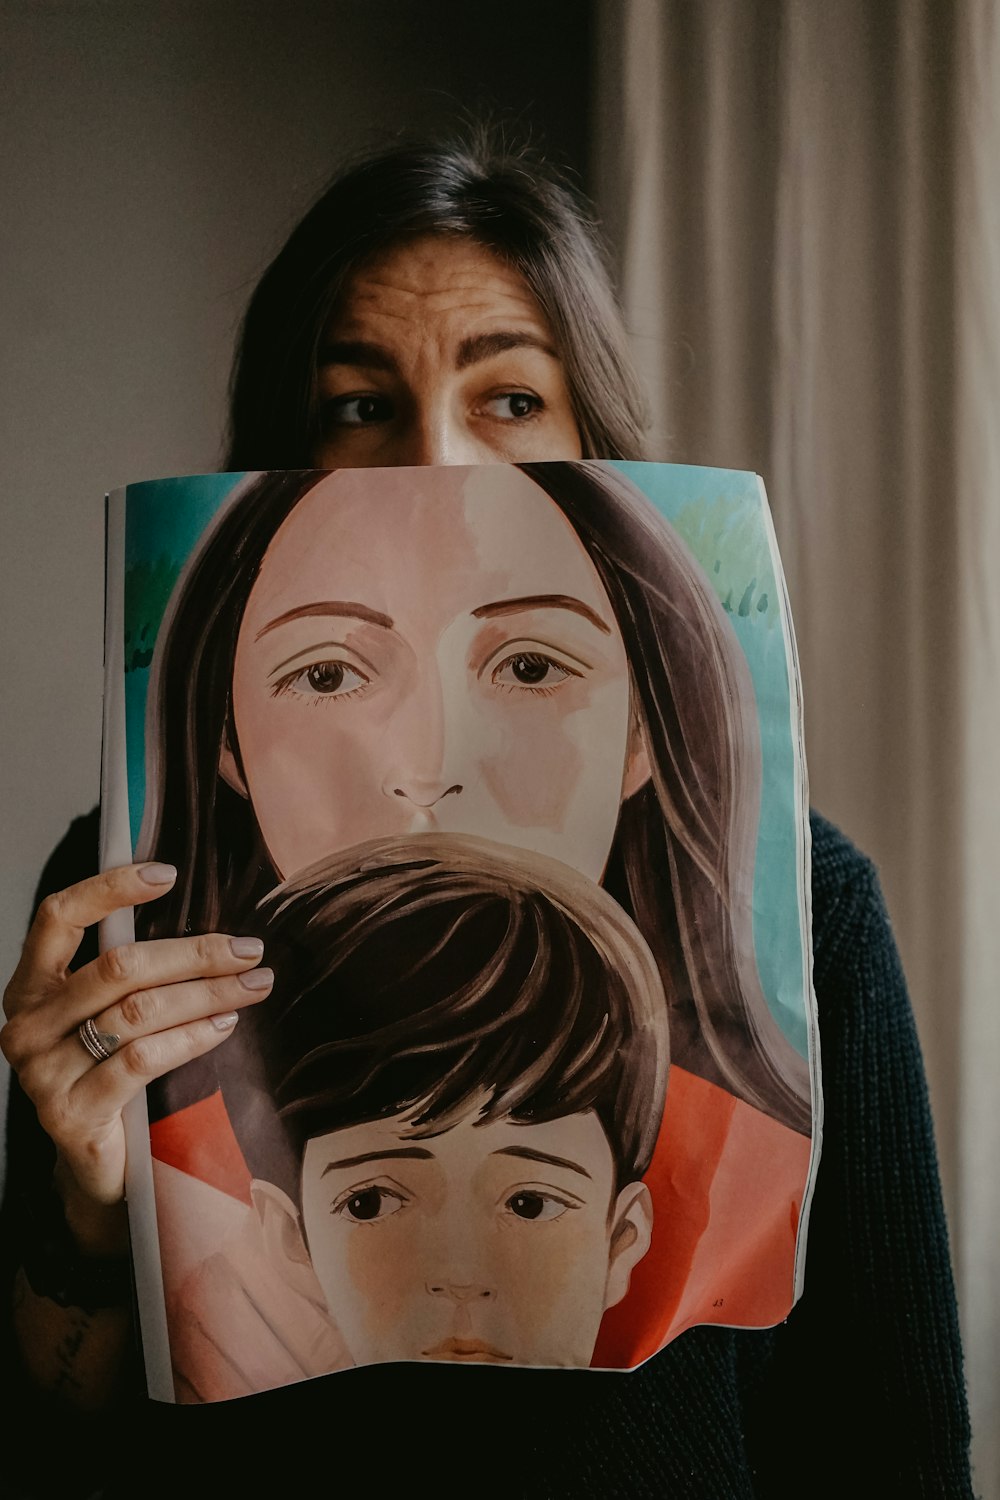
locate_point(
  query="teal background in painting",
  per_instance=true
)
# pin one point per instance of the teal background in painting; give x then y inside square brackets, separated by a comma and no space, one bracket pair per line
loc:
[718,512]
[732,499]
[164,519]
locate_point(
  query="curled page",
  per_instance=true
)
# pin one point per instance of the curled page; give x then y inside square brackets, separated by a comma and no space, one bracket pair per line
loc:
[504,765]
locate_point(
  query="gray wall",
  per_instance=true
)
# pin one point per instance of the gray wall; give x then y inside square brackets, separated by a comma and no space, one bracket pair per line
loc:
[152,158]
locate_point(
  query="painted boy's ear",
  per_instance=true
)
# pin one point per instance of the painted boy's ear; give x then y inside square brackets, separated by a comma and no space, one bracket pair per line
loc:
[279,1224]
[230,771]
[630,1237]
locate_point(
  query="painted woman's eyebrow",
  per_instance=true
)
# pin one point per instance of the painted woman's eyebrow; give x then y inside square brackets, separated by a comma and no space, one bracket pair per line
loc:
[528,1154]
[328,607]
[541,601]
[420,1152]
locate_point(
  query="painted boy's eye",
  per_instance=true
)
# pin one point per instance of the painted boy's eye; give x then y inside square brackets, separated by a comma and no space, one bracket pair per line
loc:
[326,679]
[369,1203]
[530,669]
[529,1204]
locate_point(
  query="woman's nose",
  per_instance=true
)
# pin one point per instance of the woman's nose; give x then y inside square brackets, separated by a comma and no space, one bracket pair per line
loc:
[437,436]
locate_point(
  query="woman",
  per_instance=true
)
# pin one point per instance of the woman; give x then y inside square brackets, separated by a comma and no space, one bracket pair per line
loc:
[450,305]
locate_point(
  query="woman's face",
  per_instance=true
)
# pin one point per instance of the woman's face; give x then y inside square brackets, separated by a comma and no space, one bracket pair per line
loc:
[440,354]
[431,650]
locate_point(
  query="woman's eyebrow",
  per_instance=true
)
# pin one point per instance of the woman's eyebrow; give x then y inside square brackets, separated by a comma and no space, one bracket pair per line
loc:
[541,601]
[420,1152]
[528,1154]
[328,607]
[479,346]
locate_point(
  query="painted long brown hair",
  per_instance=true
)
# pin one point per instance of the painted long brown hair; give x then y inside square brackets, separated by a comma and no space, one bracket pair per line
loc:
[683,855]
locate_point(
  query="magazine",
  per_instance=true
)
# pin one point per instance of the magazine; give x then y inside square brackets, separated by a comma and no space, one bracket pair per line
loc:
[504,765]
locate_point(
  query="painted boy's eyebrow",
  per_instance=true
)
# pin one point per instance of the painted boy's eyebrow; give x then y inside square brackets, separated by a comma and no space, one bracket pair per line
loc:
[339,607]
[420,1152]
[541,601]
[528,1154]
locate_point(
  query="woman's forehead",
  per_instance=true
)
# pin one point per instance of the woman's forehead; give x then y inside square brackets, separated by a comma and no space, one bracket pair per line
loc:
[438,278]
[434,537]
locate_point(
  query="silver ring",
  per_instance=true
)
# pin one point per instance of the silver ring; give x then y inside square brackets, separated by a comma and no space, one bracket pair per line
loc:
[100,1044]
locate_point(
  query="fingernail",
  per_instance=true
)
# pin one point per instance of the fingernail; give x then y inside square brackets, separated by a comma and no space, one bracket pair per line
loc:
[155,874]
[225,1023]
[257,979]
[246,947]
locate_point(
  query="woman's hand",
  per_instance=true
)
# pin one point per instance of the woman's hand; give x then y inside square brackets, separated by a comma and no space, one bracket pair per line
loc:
[158,1004]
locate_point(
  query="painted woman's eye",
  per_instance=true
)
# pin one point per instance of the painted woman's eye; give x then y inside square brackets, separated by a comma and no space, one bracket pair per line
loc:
[368,1204]
[536,1206]
[530,669]
[514,406]
[324,679]
[357,411]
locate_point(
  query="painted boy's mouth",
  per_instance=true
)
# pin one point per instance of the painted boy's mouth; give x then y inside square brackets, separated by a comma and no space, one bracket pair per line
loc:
[473,1350]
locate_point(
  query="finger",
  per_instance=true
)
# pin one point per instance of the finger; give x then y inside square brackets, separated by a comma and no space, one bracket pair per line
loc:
[108,1086]
[130,969]
[63,917]
[82,1120]
[117,973]
[157,1010]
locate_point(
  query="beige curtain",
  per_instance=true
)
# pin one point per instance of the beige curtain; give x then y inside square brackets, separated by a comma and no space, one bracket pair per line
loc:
[805,201]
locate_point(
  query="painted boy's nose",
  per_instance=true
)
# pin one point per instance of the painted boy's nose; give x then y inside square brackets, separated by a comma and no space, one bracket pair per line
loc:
[459,1293]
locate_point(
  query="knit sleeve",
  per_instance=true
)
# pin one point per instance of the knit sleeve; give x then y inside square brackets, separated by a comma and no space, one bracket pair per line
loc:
[69,1466]
[863,1386]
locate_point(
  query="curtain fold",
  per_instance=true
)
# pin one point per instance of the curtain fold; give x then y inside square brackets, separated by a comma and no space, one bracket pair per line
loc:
[805,205]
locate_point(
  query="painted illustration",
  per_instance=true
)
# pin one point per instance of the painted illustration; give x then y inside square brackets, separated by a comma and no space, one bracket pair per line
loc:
[466,1057]
[535,658]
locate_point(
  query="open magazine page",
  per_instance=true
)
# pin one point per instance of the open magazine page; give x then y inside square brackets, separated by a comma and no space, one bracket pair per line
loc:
[505,767]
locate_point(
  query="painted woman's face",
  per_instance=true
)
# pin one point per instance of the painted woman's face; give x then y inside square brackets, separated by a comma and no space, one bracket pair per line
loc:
[431,650]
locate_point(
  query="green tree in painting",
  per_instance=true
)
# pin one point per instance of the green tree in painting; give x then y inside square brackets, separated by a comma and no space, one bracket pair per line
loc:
[730,544]
[148,586]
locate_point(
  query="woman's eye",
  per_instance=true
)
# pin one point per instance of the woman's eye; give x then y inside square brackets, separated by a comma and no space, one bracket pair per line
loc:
[368,1204]
[514,406]
[324,679]
[357,411]
[530,669]
[538,1207]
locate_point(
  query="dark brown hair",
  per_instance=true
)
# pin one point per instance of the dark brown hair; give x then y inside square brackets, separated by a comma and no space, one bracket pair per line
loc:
[509,200]
[437,975]
[683,855]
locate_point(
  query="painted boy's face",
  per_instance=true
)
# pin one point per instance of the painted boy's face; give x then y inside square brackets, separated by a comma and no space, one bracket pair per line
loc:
[494,1243]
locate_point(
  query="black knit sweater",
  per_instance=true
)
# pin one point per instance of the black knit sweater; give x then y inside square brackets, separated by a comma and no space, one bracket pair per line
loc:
[860,1392]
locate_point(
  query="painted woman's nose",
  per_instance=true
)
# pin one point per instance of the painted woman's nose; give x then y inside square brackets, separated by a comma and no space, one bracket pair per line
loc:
[427,763]
[424,794]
